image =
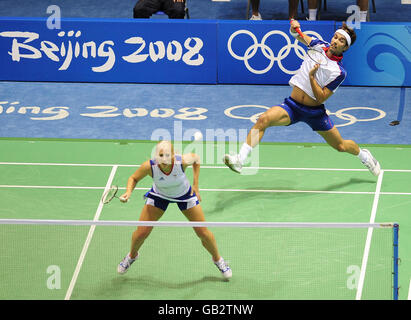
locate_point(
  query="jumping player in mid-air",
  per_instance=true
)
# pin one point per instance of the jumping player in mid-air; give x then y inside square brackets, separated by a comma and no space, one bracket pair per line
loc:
[312,86]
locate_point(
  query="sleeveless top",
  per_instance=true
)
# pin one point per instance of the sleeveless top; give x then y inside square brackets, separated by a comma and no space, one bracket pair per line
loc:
[174,184]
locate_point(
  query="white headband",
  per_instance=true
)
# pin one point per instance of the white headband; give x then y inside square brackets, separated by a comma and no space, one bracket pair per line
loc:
[346,35]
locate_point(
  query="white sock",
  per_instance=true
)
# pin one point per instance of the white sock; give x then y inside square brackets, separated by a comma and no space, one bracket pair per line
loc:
[312,14]
[363,16]
[363,155]
[244,152]
[221,259]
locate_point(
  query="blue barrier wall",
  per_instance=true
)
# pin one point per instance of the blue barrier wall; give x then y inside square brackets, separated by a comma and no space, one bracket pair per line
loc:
[191,51]
[381,56]
[103,50]
[264,52]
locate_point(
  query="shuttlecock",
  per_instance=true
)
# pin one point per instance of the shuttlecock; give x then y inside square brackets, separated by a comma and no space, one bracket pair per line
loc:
[198,136]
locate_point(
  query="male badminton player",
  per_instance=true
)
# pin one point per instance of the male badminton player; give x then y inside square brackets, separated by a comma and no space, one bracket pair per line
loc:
[312,86]
[170,185]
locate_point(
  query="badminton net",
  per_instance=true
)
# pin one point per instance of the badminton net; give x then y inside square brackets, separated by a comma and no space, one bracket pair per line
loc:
[77,259]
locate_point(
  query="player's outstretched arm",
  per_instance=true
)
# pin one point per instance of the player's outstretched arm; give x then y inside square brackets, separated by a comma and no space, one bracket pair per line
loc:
[293,30]
[132,181]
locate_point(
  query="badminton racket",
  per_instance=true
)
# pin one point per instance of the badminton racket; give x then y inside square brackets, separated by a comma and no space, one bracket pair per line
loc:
[315,54]
[110,194]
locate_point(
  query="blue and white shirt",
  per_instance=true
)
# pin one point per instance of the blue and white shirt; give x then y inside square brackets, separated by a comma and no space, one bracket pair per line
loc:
[330,75]
[172,185]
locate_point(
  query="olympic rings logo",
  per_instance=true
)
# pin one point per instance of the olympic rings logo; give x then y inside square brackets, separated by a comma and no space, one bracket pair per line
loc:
[341,114]
[267,51]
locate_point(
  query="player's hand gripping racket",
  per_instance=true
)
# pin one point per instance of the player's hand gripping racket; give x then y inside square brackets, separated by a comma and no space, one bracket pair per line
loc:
[110,194]
[317,55]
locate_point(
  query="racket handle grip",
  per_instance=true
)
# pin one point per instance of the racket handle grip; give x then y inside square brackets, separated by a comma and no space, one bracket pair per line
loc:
[298,30]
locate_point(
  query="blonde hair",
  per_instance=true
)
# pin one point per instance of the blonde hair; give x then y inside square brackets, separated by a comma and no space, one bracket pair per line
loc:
[164,144]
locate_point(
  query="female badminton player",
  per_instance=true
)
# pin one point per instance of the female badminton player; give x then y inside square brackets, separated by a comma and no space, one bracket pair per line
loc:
[170,185]
[312,86]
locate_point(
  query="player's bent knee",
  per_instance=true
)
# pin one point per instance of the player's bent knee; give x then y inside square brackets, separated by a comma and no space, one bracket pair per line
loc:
[340,147]
[263,121]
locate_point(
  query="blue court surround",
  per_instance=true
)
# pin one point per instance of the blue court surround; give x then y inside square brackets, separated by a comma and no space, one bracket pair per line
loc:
[159,106]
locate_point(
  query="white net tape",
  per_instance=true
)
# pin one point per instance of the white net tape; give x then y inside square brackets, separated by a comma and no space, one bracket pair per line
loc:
[200,224]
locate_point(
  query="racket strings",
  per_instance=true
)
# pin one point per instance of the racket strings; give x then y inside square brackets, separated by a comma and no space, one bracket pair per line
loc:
[317,56]
[109,194]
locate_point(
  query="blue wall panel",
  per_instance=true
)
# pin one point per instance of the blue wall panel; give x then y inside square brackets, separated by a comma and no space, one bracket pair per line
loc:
[381,56]
[191,51]
[94,50]
[263,52]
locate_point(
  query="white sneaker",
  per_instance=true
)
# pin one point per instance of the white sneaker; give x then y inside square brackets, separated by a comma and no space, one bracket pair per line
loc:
[372,164]
[233,162]
[125,264]
[224,268]
[253,17]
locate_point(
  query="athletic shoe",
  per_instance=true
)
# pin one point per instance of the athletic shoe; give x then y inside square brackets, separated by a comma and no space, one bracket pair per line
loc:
[233,162]
[125,264]
[224,268]
[372,164]
[253,17]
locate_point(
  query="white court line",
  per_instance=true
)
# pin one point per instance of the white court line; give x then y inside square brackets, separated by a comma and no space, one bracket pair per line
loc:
[409,291]
[213,190]
[50,187]
[88,239]
[202,167]
[369,237]
[66,164]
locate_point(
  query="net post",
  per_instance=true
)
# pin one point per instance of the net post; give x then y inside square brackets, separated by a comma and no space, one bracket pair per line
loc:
[396,228]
